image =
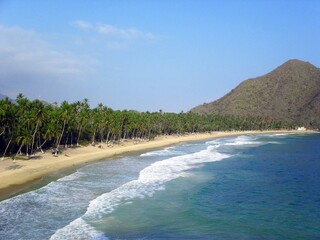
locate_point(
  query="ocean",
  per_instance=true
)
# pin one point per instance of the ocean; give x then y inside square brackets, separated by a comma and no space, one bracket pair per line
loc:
[242,187]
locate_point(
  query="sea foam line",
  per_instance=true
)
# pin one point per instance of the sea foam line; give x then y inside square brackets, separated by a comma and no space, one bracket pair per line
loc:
[78,230]
[170,151]
[151,179]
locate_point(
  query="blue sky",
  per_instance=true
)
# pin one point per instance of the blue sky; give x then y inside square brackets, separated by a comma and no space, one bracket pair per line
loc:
[149,55]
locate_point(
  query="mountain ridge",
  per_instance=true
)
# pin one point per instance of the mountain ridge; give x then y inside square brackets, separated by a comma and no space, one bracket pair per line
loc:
[2,96]
[289,92]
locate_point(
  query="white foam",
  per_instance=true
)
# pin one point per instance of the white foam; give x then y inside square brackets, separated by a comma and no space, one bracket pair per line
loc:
[170,151]
[78,230]
[239,143]
[71,177]
[186,175]
[214,142]
[272,135]
[274,142]
[242,140]
[151,179]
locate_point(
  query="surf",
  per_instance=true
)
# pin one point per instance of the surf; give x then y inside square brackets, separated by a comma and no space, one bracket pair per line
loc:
[151,179]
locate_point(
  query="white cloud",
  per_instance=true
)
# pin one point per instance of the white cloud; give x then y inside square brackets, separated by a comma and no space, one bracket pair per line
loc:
[82,25]
[26,51]
[129,33]
[114,31]
[30,64]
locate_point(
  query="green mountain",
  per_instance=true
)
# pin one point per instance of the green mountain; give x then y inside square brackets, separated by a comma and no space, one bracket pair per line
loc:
[290,92]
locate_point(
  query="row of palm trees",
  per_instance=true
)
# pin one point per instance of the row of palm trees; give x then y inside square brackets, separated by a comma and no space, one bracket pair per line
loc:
[29,126]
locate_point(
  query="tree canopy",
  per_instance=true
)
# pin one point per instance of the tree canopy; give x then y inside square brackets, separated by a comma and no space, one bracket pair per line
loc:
[29,126]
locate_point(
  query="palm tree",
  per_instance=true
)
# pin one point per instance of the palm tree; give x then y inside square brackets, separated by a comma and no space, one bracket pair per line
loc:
[24,124]
[64,116]
[82,109]
[3,108]
[25,140]
[99,122]
[38,116]
[8,122]
[108,118]
[71,124]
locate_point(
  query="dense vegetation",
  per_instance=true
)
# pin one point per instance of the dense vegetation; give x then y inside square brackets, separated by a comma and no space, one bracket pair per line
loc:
[291,92]
[29,126]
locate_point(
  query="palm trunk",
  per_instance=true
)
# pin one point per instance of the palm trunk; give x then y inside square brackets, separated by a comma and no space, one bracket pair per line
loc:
[27,150]
[79,136]
[149,133]
[42,145]
[71,139]
[59,139]
[19,149]
[34,135]
[124,135]
[66,142]
[133,133]
[5,151]
[101,136]
[93,137]
[108,136]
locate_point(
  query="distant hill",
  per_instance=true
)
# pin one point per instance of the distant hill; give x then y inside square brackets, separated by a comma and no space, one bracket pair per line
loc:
[2,96]
[290,92]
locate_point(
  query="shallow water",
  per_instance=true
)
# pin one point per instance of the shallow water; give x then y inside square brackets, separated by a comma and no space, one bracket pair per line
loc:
[245,187]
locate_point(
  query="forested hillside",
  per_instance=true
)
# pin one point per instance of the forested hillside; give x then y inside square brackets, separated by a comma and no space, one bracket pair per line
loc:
[291,92]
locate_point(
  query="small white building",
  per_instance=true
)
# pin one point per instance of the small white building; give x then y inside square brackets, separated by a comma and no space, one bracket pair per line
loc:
[301,128]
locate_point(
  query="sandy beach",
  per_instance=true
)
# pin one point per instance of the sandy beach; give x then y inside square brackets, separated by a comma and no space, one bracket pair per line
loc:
[17,175]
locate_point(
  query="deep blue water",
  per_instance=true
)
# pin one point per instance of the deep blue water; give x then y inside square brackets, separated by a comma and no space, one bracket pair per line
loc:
[245,187]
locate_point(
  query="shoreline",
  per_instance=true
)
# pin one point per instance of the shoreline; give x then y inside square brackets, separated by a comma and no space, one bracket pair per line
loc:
[22,174]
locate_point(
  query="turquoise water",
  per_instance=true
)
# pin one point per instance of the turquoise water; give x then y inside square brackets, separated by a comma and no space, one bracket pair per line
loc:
[245,187]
